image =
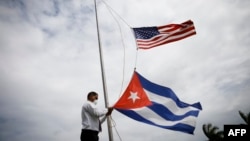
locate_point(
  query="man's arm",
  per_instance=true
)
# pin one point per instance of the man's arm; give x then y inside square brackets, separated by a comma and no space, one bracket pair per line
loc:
[110,109]
[95,111]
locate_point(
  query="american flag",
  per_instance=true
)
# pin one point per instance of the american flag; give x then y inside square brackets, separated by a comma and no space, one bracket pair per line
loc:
[149,37]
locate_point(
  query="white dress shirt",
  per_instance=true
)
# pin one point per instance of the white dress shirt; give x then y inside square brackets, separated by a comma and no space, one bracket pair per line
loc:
[91,115]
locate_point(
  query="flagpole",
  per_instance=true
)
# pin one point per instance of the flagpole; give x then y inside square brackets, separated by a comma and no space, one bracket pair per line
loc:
[103,76]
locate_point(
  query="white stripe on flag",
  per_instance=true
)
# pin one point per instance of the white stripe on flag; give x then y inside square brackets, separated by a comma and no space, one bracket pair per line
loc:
[155,118]
[168,103]
[164,38]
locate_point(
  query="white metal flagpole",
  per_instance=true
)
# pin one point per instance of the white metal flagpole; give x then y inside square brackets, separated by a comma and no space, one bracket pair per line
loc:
[103,77]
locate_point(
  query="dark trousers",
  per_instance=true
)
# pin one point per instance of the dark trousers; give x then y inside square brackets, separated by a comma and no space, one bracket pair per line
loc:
[89,135]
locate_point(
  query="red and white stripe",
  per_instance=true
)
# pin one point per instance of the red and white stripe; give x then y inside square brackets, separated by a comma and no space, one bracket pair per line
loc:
[168,33]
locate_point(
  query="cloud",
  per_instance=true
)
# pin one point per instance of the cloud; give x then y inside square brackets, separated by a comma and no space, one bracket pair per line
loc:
[49,61]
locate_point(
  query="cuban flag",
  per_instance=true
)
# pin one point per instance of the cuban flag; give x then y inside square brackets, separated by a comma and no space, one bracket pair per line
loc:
[157,105]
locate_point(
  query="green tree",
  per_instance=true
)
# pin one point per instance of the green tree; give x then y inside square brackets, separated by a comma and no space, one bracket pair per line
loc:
[212,132]
[245,117]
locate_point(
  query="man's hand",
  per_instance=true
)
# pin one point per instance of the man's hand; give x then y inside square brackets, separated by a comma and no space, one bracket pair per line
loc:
[110,109]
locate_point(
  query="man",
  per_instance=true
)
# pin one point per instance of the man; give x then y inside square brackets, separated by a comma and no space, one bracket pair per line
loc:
[91,122]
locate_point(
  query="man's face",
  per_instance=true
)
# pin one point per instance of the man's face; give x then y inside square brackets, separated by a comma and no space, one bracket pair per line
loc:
[93,98]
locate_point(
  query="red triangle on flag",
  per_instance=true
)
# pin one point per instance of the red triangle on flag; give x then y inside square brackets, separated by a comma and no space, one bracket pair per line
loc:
[134,96]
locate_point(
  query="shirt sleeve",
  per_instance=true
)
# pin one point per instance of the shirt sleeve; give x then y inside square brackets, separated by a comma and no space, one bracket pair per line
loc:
[94,111]
[103,119]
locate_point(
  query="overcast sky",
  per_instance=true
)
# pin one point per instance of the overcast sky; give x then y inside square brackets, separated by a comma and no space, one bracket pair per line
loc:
[49,61]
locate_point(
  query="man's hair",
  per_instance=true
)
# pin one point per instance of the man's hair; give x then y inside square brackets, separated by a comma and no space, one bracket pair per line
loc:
[90,94]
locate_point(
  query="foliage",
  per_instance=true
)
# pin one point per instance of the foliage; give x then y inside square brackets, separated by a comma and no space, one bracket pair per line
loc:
[245,117]
[214,134]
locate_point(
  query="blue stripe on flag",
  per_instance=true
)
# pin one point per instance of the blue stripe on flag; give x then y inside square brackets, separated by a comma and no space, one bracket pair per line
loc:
[168,115]
[165,92]
[177,127]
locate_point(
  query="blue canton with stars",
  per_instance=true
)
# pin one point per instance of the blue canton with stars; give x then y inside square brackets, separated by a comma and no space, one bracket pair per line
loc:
[145,32]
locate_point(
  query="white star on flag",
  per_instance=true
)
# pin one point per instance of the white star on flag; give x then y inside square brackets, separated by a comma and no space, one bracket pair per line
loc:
[133,96]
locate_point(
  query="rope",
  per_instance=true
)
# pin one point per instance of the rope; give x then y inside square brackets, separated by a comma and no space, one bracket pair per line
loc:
[114,125]
[124,58]
[111,10]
